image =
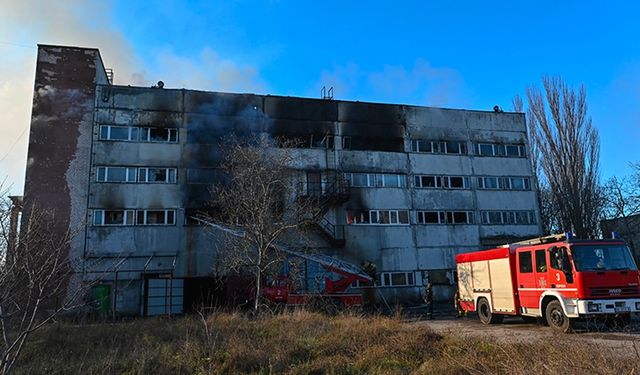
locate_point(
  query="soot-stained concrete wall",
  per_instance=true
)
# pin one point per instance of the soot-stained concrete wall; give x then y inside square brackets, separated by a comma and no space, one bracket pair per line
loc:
[58,161]
[72,100]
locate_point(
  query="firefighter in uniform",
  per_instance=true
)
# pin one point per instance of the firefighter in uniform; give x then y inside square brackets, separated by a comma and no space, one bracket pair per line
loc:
[457,306]
[428,300]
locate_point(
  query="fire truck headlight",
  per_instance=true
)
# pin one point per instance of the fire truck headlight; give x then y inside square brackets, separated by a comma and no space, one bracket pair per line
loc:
[637,305]
[594,307]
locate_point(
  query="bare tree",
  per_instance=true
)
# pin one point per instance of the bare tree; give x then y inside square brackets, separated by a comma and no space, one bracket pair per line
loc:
[34,274]
[259,199]
[622,197]
[567,148]
[548,218]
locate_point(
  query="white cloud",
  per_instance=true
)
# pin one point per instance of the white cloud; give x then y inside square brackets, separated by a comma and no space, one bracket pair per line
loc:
[421,84]
[208,71]
[87,24]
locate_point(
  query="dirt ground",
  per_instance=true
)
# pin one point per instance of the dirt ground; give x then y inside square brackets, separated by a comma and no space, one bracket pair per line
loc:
[626,340]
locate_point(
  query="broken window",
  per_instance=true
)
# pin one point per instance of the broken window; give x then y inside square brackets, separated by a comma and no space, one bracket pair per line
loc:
[346,143]
[384,217]
[427,217]
[456,148]
[358,217]
[457,182]
[167,135]
[460,217]
[157,175]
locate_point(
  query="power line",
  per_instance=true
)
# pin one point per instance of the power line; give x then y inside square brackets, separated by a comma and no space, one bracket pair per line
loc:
[14,144]
[17,45]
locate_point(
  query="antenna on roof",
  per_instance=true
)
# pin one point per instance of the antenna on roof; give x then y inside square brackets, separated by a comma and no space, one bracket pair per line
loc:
[327,95]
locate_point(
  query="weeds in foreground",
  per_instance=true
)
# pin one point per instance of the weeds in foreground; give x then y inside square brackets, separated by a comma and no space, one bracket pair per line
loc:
[299,343]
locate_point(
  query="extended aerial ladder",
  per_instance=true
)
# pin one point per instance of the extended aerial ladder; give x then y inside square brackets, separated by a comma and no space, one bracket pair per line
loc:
[281,289]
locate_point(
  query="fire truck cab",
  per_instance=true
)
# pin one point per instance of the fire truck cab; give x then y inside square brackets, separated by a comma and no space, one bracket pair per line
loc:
[556,278]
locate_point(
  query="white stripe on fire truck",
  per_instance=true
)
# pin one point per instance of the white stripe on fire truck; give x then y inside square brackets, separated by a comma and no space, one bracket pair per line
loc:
[568,289]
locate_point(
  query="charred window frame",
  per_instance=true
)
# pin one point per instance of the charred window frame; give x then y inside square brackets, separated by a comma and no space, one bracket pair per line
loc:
[346,142]
[439,147]
[500,149]
[116,174]
[321,141]
[444,217]
[378,217]
[157,175]
[508,217]
[441,182]
[159,135]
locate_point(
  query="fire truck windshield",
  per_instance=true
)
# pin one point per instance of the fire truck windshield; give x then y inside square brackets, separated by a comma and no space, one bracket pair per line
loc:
[602,258]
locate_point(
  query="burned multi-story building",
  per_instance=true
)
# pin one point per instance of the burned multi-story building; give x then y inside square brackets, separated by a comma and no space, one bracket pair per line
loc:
[129,165]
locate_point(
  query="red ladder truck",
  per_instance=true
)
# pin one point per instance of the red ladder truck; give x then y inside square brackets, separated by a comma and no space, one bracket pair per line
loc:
[558,279]
[281,290]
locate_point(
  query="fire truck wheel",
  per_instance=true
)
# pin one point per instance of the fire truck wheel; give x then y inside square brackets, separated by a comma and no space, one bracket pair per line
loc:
[556,317]
[485,314]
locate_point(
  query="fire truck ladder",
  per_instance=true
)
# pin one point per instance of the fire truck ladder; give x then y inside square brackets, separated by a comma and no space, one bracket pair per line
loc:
[542,240]
[324,260]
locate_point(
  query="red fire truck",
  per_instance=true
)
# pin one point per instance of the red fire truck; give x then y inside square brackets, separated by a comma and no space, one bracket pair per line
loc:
[338,277]
[558,279]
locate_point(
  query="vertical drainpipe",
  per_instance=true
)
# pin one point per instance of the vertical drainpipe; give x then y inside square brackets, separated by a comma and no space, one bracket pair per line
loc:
[16,208]
[412,195]
[473,181]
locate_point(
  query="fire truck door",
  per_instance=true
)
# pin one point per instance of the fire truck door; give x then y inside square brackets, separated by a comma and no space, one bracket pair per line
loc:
[560,271]
[527,293]
[542,270]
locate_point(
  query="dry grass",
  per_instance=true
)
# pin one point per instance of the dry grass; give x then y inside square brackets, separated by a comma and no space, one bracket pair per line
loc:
[298,343]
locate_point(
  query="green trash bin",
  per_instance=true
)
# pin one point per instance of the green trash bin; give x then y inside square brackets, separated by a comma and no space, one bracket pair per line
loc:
[101,295]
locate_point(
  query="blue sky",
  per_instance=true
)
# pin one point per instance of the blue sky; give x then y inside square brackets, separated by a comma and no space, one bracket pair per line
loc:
[460,55]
